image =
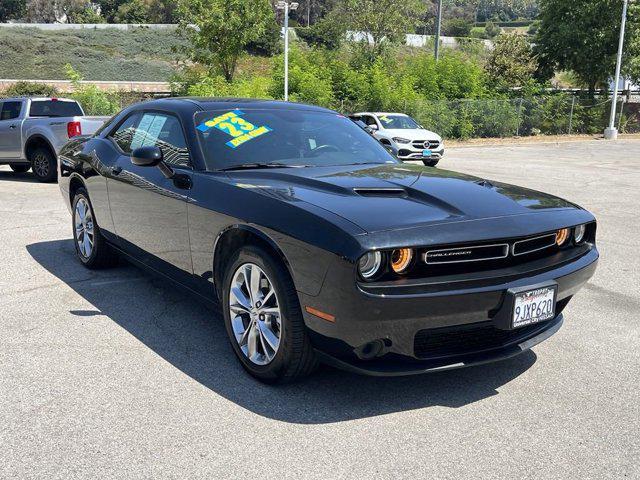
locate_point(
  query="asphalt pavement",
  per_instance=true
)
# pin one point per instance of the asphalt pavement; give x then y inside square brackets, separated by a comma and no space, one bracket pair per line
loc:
[114,374]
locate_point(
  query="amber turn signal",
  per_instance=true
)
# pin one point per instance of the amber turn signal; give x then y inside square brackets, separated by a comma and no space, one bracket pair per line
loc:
[319,313]
[562,236]
[401,259]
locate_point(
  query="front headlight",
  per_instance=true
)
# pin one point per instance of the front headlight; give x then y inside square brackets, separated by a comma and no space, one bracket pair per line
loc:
[401,140]
[401,259]
[369,265]
[578,233]
[562,236]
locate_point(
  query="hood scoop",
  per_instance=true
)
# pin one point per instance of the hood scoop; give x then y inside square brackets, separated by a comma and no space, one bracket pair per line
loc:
[394,192]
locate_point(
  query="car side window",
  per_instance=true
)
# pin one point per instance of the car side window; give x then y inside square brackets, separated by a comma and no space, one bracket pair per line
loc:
[123,136]
[165,132]
[370,121]
[10,110]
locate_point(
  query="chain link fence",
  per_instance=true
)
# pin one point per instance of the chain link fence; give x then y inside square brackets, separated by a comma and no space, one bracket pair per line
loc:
[499,118]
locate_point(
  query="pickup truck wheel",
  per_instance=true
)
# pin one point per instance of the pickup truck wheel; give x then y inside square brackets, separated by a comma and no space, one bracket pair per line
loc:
[92,249]
[43,164]
[263,318]
[20,167]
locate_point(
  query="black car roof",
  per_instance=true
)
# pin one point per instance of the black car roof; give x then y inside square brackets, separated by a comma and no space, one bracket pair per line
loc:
[215,103]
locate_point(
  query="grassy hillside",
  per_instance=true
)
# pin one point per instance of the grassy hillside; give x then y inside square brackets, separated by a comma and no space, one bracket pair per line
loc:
[140,54]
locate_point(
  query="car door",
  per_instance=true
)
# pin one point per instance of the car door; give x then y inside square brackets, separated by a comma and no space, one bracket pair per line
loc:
[149,211]
[10,129]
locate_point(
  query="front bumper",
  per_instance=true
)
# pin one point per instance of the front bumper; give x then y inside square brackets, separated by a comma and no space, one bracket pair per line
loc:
[392,322]
[409,152]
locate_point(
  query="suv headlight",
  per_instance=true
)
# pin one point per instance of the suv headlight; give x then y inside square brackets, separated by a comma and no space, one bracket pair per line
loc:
[401,140]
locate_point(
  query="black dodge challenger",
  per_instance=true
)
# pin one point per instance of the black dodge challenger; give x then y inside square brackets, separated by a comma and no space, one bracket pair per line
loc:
[317,244]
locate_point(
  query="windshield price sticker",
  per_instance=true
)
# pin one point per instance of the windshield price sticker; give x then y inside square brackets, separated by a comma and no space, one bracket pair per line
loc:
[234,125]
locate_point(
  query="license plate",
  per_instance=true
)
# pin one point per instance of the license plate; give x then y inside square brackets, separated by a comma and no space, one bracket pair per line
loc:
[426,153]
[534,306]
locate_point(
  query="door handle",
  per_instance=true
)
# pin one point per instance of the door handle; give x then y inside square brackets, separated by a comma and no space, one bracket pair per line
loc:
[116,170]
[12,127]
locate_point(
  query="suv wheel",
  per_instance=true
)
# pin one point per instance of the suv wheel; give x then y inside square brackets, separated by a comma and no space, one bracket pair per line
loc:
[20,167]
[43,164]
[91,248]
[430,163]
[263,318]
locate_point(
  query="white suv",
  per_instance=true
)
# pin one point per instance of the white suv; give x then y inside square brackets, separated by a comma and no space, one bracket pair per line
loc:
[404,135]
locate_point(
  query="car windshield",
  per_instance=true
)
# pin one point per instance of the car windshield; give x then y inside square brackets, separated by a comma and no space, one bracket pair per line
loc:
[278,137]
[399,122]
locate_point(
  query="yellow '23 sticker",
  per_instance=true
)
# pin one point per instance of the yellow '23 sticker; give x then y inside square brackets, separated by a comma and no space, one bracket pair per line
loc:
[233,124]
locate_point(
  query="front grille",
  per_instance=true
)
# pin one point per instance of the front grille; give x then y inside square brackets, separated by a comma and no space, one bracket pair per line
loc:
[467,339]
[535,244]
[425,143]
[467,254]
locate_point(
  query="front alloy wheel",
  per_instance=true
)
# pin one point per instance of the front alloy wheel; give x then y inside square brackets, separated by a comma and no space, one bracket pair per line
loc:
[263,318]
[255,314]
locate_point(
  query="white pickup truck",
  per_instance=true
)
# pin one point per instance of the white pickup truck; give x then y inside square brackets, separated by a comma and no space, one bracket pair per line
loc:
[33,130]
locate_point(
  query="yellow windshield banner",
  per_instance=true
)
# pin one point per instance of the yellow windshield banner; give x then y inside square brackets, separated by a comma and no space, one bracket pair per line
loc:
[234,125]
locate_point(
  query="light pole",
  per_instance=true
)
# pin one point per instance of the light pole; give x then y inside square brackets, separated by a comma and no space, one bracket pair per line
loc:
[611,132]
[438,27]
[286,6]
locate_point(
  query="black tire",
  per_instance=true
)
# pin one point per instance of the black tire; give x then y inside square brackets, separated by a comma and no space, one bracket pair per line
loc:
[101,255]
[430,163]
[20,167]
[295,357]
[44,165]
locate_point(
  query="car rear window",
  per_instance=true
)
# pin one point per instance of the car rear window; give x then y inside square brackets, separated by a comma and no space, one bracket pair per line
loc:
[54,108]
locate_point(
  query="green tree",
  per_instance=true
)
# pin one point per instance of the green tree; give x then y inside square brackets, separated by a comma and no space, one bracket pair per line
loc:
[12,9]
[85,15]
[223,30]
[511,63]
[385,21]
[109,8]
[582,36]
[325,33]
[135,11]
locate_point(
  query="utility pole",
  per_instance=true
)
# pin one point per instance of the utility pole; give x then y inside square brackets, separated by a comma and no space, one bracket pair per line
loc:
[286,6]
[611,132]
[438,29]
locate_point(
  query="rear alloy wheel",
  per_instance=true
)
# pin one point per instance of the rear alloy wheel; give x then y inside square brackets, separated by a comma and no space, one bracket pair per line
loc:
[20,167]
[91,248]
[43,165]
[263,318]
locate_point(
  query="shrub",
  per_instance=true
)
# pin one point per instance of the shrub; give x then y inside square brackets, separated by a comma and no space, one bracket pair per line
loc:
[325,34]
[457,27]
[30,89]
[93,100]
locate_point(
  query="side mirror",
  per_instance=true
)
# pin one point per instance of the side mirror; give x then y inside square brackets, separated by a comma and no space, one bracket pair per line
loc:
[146,156]
[373,127]
[151,157]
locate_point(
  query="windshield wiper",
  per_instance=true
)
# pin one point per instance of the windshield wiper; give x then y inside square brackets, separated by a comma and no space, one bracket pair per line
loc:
[257,166]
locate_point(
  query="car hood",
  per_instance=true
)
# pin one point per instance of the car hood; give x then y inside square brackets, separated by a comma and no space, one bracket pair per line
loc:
[387,197]
[411,134]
